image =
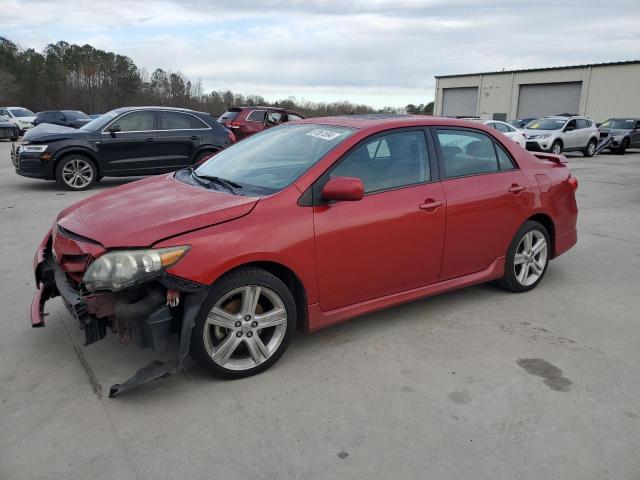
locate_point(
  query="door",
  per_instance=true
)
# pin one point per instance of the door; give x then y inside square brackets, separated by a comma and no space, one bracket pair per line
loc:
[460,102]
[179,135]
[571,135]
[541,99]
[635,135]
[583,133]
[391,240]
[487,200]
[132,149]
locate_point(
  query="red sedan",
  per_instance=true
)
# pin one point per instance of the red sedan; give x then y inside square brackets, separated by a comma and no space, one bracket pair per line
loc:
[304,226]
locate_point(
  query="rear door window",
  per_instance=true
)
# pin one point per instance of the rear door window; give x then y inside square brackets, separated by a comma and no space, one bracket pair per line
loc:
[465,152]
[581,123]
[256,116]
[179,121]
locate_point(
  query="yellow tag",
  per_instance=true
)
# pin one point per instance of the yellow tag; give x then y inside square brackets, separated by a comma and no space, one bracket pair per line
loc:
[605,124]
[535,125]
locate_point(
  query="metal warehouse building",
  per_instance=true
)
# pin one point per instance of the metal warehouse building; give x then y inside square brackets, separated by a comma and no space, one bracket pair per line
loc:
[600,91]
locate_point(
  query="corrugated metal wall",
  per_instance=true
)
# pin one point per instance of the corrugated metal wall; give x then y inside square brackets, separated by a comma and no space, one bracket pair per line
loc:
[607,91]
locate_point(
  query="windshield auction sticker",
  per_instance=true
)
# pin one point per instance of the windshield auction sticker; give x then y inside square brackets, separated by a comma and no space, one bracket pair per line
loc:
[323,134]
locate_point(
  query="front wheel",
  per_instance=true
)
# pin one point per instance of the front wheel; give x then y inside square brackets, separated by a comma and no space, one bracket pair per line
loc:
[245,324]
[591,149]
[556,148]
[623,147]
[527,258]
[76,172]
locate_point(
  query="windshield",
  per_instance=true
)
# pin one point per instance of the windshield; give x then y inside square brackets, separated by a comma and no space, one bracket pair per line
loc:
[101,121]
[271,160]
[22,112]
[619,123]
[75,114]
[547,124]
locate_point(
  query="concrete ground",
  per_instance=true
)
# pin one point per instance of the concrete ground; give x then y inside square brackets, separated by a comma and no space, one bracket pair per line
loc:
[474,384]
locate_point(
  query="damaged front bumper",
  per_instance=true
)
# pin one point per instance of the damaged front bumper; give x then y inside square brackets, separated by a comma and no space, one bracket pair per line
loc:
[147,314]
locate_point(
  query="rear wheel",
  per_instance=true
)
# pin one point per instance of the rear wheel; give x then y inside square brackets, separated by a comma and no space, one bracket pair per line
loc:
[527,258]
[556,147]
[201,157]
[591,148]
[245,324]
[76,172]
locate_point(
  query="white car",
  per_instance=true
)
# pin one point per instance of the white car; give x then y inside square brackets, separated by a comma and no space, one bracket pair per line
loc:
[22,117]
[510,131]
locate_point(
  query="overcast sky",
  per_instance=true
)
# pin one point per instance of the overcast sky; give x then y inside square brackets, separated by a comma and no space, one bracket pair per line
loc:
[373,51]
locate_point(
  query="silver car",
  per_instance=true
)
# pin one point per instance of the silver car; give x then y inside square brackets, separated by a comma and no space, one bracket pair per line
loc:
[557,134]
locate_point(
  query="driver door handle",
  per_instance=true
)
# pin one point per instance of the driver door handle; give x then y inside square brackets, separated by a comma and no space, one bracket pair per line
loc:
[430,204]
[515,188]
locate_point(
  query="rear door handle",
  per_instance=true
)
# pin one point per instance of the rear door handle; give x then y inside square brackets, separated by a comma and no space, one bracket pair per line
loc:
[150,139]
[515,188]
[194,137]
[430,204]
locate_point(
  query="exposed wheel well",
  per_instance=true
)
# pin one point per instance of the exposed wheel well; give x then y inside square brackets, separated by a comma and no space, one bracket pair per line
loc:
[547,222]
[84,153]
[294,284]
[204,151]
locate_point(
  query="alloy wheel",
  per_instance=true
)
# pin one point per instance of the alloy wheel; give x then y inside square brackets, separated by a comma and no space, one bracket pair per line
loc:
[591,148]
[245,327]
[557,149]
[531,258]
[77,173]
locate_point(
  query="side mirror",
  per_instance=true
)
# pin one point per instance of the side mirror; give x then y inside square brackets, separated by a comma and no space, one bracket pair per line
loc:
[113,129]
[348,189]
[598,125]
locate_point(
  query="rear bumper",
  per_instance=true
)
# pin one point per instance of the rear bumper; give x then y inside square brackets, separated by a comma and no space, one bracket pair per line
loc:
[565,242]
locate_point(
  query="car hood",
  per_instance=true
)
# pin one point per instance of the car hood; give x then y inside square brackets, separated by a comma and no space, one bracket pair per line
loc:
[48,132]
[142,213]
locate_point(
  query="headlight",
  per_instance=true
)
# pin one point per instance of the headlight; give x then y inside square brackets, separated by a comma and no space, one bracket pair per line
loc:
[34,148]
[122,268]
[541,137]
[26,122]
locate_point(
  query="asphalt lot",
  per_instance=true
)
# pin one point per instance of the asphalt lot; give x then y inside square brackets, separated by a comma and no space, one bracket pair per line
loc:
[444,388]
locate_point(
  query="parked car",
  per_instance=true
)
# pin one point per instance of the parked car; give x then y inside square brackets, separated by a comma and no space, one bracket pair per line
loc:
[21,117]
[510,131]
[8,129]
[65,118]
[304,225]
[625,133]
[559,134]
[93,116]
[521,123]
[123,142]
[245,121]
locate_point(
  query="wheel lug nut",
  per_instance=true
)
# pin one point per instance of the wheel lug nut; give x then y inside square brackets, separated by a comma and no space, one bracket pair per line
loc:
[238,334]
[254,324]
[238,324]
[249,334]
[247,317]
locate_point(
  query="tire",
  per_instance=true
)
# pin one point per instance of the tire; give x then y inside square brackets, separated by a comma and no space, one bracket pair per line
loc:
[556,147]
[13,139]
[226,344]
[623,147]
[590,151]
[514,279]
[76,172]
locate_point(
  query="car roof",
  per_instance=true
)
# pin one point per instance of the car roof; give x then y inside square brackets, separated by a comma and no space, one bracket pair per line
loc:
[381,121]
[262,107]
[151,107]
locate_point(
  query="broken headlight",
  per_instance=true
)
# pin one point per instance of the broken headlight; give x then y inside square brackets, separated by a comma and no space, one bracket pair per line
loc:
[122,268]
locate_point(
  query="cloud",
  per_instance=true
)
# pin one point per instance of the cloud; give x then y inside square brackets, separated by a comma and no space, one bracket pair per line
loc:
[384,51]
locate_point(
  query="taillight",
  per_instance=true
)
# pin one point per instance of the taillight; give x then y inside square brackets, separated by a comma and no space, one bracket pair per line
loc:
[232,137]
[573,181]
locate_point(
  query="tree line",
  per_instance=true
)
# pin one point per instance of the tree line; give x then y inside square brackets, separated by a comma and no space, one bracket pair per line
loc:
[75,77]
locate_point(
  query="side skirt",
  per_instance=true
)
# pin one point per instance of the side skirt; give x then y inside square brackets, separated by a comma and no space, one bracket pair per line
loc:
[319,319]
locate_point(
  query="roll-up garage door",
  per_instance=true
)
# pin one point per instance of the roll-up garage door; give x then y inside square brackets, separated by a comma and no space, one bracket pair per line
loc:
[460,102]
[549,99]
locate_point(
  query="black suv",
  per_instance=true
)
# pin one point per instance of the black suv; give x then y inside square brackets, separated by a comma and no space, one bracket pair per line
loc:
[123,142]
[65,118]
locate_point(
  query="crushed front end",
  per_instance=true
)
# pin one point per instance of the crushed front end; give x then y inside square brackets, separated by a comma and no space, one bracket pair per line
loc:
[126,292]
